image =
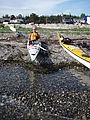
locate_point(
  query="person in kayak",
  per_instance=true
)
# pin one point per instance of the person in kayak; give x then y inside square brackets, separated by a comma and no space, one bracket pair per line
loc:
[34,36]
[66,40]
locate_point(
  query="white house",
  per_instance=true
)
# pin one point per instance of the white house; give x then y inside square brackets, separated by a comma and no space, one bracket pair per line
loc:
[88,19]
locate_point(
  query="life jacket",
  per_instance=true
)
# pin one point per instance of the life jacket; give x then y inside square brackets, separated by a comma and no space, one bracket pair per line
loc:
[34,36]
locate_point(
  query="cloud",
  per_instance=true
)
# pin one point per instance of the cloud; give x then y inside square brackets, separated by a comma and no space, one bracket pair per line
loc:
[43,7]
[43,4]
[34,4]
[29,6]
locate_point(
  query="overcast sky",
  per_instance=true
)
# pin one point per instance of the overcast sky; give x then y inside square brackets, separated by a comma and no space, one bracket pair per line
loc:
[44,7]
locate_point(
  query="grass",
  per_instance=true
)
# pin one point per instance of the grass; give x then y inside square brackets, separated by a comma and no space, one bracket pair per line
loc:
[86,32]
[4,29]
[81,29]
[75,31]
[25,30]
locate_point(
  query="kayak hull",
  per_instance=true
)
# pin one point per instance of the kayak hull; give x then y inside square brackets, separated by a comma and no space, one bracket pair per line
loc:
[33,50]
[75,52]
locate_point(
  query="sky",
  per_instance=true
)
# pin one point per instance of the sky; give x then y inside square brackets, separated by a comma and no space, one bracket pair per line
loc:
[44,7]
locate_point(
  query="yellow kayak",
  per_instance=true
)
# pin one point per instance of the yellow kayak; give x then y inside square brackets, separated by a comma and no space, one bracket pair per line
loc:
[75,52]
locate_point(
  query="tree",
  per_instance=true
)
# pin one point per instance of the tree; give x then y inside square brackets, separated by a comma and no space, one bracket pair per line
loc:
[34,18]
[43,19]
[26,19]
[82,15]
[6,16]
[12,17]
[55,19]
[59,18]
[19,16]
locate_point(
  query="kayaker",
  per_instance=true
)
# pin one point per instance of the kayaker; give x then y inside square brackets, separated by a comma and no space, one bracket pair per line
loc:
[34,36]
[66,40]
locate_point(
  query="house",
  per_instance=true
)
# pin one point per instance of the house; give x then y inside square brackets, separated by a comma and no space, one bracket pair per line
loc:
[87,19]
[1,20]
[4,20]
[67,20]
[17,21]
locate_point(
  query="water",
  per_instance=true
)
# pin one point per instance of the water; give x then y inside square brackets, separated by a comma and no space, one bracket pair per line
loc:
[33,93]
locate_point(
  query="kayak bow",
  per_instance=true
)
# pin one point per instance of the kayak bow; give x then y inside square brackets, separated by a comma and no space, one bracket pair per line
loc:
[75,52]
[33,50]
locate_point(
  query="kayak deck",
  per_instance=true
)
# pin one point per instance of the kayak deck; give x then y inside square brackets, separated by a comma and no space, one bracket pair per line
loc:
[75,52]
[33,50]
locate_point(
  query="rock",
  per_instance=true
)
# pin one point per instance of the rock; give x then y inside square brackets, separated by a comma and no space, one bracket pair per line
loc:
[84,117]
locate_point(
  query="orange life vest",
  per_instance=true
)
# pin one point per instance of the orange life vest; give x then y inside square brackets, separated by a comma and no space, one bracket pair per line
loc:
[34,36]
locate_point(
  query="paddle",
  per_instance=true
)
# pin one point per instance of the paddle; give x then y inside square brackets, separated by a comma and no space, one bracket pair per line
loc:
[43,48]
[12,28]
[18,32]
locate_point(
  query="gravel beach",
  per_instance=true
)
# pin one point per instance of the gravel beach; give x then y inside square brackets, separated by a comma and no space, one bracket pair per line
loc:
[55,87]
[27,94]
[14,48]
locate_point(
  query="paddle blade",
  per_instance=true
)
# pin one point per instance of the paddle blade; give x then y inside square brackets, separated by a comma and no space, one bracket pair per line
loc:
[12,29]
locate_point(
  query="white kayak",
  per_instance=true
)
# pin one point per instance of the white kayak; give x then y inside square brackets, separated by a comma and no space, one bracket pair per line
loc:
[33,50]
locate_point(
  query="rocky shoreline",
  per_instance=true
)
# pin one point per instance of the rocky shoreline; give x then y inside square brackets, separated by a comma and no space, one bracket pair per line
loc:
[31,94]
[13,48]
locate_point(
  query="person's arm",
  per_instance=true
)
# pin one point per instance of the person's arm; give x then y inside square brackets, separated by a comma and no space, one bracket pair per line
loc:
[29,37]
[38,36]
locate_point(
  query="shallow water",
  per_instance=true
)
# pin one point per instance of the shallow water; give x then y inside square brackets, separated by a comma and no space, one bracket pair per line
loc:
[30,94]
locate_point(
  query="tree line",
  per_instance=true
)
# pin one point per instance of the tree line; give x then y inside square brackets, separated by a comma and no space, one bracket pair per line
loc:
[43,19]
